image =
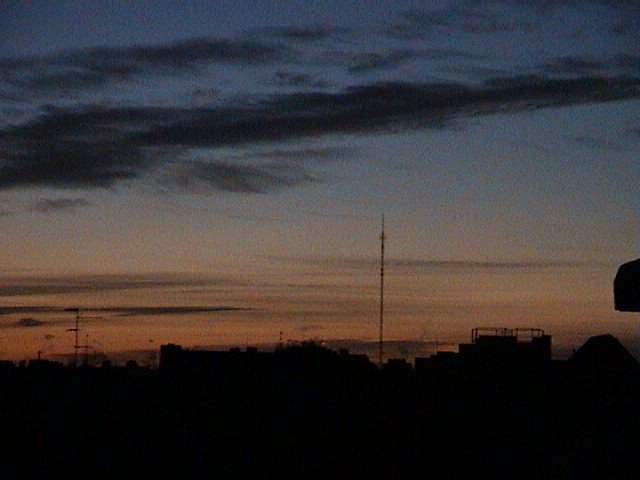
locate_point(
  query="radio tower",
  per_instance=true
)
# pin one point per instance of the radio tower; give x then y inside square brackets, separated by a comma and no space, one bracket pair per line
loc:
[382,237]
[76,329]
[86,348]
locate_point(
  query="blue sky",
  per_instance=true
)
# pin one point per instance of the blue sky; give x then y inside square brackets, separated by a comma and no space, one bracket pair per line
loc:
[213,137]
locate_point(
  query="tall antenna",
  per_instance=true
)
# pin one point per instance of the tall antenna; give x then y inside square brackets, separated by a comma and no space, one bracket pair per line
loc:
[382,237]
[76,329]
[86,348]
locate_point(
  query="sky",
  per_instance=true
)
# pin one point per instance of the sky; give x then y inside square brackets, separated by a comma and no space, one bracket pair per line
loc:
[214,173]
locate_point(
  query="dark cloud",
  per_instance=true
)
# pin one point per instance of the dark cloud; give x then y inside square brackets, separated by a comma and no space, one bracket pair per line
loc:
[303,34]
[29,322]
[194,51]
[476,265]
[51,205]
[418,24]
[546,6]
[13,310]
[99,147]
[631,62]
[204,94]
[25,286]
[621,28]
[118,311]
[448,53]
[241,178]
[387,106]
[420,264]
[74,149]
[396,60]
[300,154]
[100,66]
[479,22]
[291,79]
[378,61]
[597,143]
[369,62]
[180,310]
[576,3]
[495,16]
[8,97]
[87,147]
[574,66]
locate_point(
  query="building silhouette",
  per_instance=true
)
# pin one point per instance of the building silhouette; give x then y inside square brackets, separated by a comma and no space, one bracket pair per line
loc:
[294,359]
[504,349]
[604,354]
[500,407]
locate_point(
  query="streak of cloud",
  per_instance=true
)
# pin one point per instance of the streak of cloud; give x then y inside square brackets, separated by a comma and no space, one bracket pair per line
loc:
[293,33]
[597,143]
[573,65]
[29,322]
[13,309]
[26,286]
[416,24]
[240,178]
[93,147]
[102,314]
[301,154]
[423,264]
[180,310]
[52,205]
[293,79]
[371,62]
[100,66]
[118,311]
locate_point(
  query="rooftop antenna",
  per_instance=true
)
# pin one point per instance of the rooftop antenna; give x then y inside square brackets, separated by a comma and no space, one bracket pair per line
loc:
[381,336]
[86,348]
[75,329]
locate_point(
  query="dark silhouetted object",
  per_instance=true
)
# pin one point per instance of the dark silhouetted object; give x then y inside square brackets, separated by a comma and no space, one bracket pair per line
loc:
[507,347]
[626,287]
[605,353]
[501,408]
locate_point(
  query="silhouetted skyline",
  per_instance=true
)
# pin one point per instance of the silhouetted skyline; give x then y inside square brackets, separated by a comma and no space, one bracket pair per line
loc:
[500,408]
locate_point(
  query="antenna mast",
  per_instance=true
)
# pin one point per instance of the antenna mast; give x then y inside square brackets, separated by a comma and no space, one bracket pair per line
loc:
[76,329]
[86,348]
[380,352]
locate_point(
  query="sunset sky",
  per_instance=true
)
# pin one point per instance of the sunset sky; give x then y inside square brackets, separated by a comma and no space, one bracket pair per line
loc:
[225,165]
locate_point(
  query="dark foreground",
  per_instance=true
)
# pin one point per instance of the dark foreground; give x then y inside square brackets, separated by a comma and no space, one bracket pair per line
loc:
[312,415]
